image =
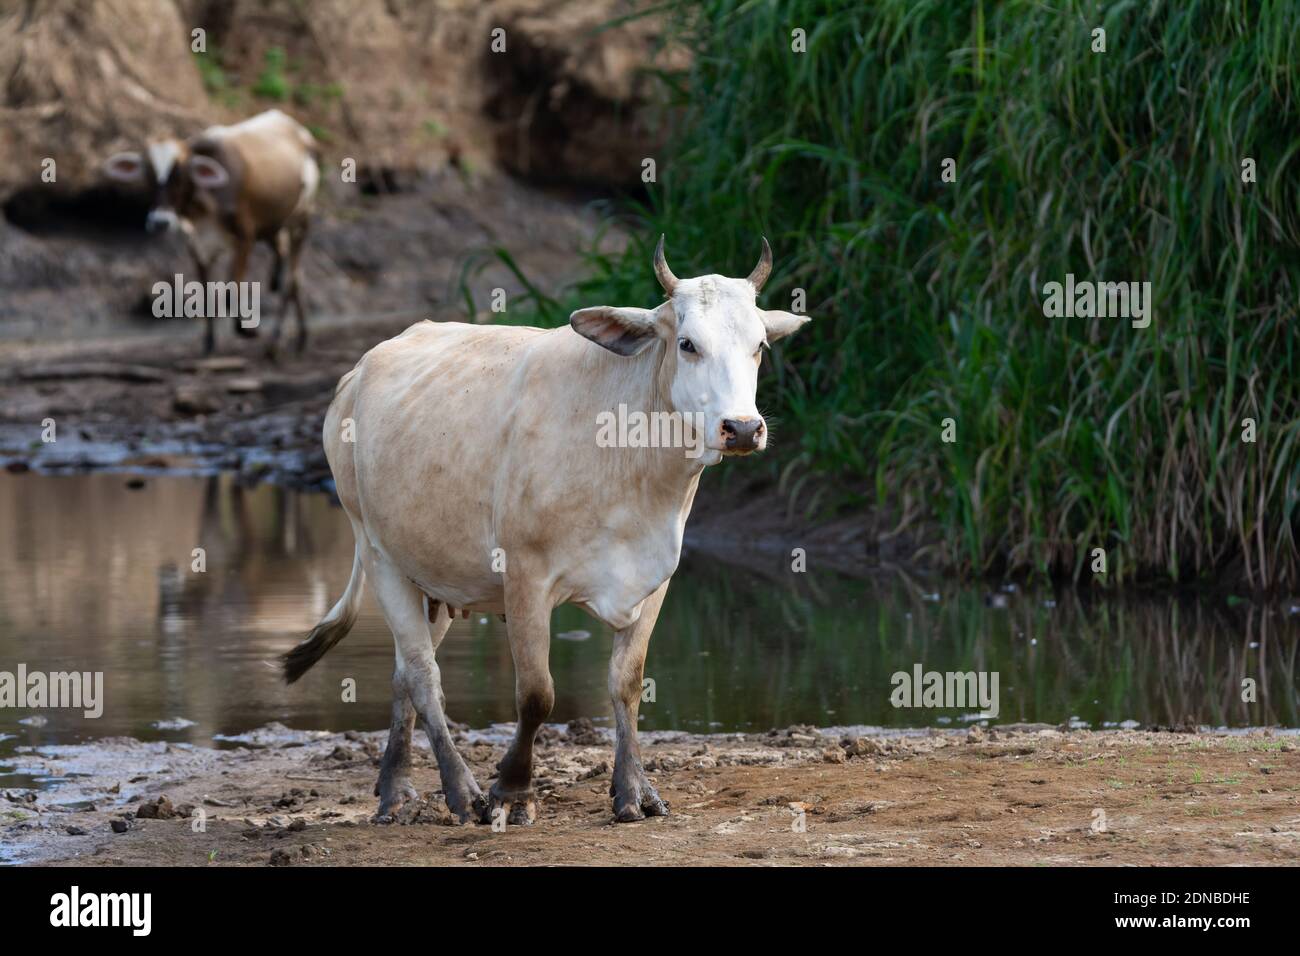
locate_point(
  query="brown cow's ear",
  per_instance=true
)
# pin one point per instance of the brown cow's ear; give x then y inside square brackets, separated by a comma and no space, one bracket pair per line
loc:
[780,324]
[125,167]
[207,172]
[622,331]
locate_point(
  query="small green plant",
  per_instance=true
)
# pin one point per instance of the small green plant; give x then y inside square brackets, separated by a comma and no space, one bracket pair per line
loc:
[308,94]
[212,73]
[271,83]
[215,81]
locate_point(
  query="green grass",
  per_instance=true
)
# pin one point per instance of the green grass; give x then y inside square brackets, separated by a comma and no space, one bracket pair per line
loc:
[271,83]
[927,297]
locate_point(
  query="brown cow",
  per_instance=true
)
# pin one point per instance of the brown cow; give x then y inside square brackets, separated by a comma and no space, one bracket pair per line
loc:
[229,187]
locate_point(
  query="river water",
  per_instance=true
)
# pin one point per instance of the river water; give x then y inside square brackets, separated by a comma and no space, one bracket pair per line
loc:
[95,575]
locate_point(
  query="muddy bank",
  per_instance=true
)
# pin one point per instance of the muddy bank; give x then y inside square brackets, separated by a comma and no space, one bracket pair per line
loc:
[1021,795]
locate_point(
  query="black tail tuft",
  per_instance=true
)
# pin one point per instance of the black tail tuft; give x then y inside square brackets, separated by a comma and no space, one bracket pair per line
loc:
[322,637]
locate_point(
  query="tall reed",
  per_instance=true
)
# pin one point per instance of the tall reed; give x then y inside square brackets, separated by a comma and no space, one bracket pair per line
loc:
[1072,434]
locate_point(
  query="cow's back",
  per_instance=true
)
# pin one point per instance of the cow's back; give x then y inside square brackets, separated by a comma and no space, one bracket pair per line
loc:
[272,158]
[428,411]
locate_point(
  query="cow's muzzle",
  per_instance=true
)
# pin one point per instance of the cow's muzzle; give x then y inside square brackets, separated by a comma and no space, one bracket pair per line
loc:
[740,436]
[160,220]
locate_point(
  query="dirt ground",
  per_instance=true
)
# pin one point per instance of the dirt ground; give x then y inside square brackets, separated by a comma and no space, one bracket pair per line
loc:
[1018,795]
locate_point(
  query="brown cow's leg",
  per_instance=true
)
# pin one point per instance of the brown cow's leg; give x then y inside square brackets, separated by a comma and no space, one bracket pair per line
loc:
[201,267]
[297,237]
[243,247]
[289,242]
[418,676]
[280,249]
[528,622]
[634,796]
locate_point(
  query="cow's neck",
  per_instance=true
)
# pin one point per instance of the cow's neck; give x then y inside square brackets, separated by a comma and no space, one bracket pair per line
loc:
[667,477]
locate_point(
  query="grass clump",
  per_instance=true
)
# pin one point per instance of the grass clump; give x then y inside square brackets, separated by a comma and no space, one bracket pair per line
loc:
[271,83]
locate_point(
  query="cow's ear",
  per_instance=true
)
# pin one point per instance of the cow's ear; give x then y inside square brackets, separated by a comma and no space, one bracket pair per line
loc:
[207,172]
[780,324]
[622,331]
[125,167]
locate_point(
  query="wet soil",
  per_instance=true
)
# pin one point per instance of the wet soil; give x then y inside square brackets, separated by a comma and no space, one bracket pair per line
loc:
[1019,795]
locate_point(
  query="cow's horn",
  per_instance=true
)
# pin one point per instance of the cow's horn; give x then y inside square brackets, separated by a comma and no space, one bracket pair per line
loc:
[662,272]
[763,269]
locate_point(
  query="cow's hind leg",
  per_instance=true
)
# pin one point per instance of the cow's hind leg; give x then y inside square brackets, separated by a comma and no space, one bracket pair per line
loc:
[297,236]
[288,244]
[417,678]
[634,795]
[394,787]
[528,622]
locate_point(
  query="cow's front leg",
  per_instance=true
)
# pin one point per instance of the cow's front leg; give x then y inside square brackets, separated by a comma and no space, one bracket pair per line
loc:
[528,623]
[634,795]
[203,270]
[242,245]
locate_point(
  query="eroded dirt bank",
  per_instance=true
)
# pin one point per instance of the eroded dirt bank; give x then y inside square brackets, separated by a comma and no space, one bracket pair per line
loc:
[1025,795]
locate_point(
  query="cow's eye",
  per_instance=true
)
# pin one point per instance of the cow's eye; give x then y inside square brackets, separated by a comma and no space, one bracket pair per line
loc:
[686,345]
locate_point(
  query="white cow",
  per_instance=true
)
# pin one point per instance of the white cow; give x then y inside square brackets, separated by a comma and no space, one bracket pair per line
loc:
[467,460]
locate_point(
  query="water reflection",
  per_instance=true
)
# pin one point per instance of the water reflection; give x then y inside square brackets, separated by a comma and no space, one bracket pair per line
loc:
[97,576]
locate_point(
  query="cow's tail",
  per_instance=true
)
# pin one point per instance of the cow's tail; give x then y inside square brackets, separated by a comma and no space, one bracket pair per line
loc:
[332,628]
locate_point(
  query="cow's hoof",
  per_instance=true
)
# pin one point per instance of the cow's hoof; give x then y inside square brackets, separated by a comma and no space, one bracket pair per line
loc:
[638,802]
[628,813]
[393,795]
[468,806]
[517,808]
